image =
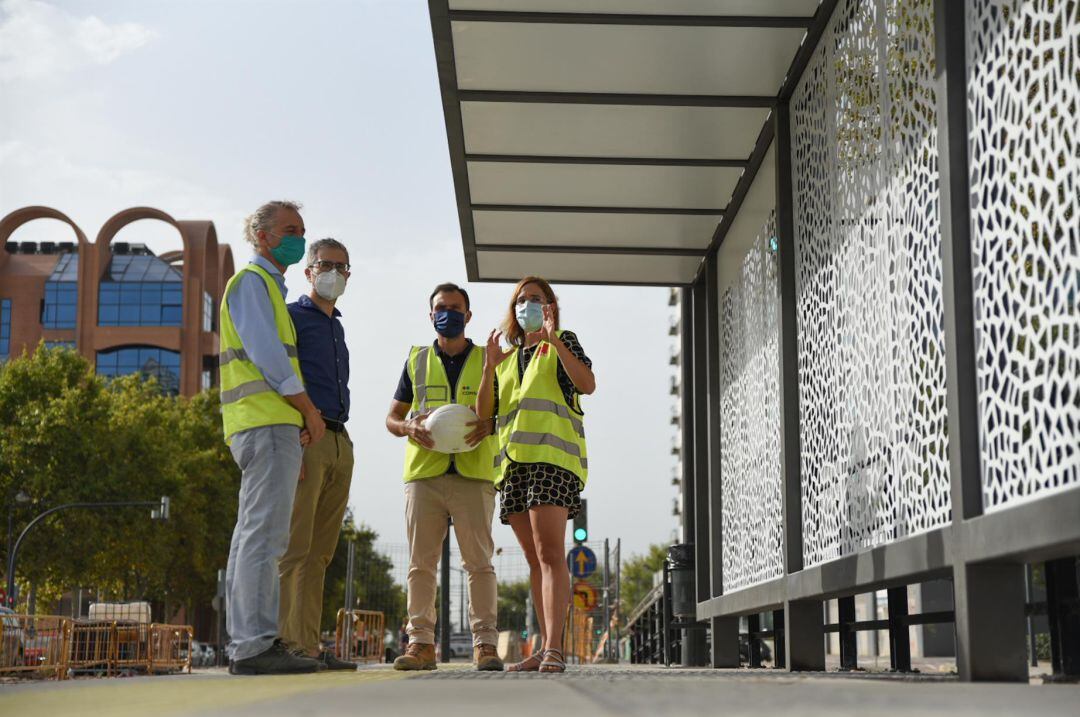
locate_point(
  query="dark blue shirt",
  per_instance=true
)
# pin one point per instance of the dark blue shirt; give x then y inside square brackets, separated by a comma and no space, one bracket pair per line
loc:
[324,358]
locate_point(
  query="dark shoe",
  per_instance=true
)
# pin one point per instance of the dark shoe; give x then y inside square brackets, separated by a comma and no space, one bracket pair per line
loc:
[418,656]
[303,653]
[275,660]
[486,658]
[331,661]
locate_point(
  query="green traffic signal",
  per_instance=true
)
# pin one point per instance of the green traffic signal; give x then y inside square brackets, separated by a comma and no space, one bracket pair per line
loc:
[580,535]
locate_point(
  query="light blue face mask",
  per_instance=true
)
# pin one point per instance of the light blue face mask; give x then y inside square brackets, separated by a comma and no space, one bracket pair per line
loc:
[530,316]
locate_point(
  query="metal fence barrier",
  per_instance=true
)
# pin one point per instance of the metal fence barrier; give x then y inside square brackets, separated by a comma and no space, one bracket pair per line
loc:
[34,645]
[60,647]
[360,635]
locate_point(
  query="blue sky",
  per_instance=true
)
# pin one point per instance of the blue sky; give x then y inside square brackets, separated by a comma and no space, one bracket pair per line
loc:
[206,108]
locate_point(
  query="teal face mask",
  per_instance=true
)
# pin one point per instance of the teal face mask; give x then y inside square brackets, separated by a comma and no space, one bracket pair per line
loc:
[289,251]
[530,316]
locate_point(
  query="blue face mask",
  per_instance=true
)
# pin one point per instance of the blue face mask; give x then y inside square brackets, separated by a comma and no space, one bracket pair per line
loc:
[530,316]
[449,323]
[289,251]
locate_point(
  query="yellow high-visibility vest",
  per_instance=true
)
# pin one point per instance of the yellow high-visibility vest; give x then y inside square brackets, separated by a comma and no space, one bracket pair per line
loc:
[431,389]
[247,400]
[536,424]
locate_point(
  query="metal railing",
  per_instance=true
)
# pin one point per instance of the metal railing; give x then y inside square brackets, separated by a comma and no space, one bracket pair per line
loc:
[59,646]
[360,635]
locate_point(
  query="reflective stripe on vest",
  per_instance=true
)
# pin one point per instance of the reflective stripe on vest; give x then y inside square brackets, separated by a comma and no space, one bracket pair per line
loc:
[431,389]
[247,400]
[536,424]
[241,355]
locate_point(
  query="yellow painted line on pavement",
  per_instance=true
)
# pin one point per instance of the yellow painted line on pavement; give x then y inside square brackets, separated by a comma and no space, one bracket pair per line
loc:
[177,694]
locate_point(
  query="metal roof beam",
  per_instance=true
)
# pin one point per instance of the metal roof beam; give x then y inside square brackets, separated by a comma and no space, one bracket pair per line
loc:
[594,210]
[578,249]
[613,98]
[624,161]
[595,18]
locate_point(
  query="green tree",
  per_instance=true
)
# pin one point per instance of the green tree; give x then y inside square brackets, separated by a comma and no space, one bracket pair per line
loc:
[67,435]
[512,600]
[637,577]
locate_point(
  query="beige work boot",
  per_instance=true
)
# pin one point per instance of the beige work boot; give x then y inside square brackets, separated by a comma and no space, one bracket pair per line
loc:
[486,658]
[418,656]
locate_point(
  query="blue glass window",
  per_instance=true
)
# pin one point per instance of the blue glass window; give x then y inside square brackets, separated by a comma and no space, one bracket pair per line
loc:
[147,361]
[207,312]
[5,328]
[140,290]
[60,345]
[62,294]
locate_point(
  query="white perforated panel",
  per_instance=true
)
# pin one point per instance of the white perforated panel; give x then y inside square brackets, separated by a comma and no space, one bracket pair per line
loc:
[1024,122]
[871,348]
[750,420]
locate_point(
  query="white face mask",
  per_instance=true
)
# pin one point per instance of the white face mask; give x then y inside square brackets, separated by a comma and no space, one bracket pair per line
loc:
[329,285]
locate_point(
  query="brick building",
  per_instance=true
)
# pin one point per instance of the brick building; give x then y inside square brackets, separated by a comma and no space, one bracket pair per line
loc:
[120,305]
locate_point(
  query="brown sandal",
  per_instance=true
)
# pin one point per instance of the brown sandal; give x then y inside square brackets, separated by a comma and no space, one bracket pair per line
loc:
[529,664]
[554,661]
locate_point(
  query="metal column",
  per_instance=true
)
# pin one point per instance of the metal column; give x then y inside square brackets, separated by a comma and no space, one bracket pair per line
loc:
[1063,613]
[804,643]
[444,598]
[724,630]
[899,642]
[849,644]
[989,597]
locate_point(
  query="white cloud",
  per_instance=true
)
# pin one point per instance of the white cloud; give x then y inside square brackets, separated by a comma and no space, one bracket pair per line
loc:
[40,175]
[40,40]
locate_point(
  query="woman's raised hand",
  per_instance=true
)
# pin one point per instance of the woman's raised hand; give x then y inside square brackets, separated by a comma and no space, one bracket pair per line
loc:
[547,331]
[493,351]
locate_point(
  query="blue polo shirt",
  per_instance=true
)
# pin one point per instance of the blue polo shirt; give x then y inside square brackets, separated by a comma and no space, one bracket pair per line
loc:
[324,358]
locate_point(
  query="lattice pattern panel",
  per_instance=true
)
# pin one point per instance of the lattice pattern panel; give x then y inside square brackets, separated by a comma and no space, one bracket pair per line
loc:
[1024,122]
[753,532]
[871,349]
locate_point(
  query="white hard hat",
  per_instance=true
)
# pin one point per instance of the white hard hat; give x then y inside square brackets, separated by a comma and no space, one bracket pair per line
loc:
[449,425]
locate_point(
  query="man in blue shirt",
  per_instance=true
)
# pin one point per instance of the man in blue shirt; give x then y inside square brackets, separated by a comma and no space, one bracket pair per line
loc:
[322,492]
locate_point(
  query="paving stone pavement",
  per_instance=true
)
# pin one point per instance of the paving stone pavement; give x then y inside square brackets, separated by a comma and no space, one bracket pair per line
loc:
[602,690]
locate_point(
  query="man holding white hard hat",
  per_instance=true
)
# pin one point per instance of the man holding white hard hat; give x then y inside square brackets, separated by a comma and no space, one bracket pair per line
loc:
[442,483]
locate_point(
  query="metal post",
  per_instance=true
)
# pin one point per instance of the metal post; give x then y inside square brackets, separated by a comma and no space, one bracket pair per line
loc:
[220,627]
[350,598]
[1063,615]
[444,601]
[693,640]
[1033,646]
[618,597]
[849,646]
[753,645]
[779,656]
[899,632]
[607,600]
[989,598]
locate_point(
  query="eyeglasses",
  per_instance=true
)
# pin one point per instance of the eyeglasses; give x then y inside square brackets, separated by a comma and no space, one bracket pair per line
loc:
[326,265]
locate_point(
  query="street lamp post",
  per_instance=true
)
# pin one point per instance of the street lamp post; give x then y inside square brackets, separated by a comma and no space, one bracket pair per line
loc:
[18,498]
[160,512]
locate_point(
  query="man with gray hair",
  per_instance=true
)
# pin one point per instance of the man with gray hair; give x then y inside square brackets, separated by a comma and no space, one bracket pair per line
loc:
[268,418]
[322,493]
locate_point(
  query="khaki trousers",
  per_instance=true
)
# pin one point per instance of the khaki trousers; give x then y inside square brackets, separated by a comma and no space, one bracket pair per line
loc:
[318,509]
[471,505]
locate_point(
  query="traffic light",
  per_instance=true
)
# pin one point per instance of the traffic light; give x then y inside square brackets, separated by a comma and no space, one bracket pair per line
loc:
[581,523]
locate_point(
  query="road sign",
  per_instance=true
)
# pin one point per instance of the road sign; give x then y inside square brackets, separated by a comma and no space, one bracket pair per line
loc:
[582,561]
[584,596]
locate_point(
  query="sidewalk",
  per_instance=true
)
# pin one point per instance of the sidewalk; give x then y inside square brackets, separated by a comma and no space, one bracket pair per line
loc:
[600,690]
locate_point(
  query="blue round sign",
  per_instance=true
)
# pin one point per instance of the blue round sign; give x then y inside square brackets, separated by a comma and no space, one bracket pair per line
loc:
[582,561]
